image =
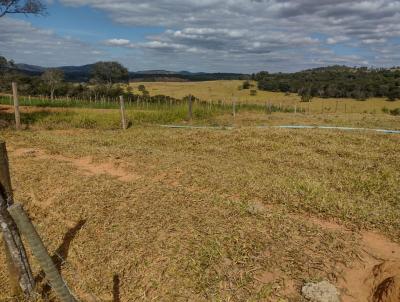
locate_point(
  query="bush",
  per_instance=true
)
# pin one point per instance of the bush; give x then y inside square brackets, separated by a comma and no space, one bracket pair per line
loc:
[306,98]
[87,123]
[395,111]
[246,85]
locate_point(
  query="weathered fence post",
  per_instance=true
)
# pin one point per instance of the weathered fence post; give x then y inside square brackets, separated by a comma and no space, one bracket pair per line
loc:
[190,112]
[17,261]
[123,116]
[234,107]
[16,106]
[39,250]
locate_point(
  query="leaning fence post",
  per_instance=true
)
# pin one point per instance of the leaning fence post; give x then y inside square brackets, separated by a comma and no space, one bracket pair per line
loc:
[40,252]
[17,260]
[16,106]
[123,116]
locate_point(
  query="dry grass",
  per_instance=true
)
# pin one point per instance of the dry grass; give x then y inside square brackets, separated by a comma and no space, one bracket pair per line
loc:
[359,120]
[225,90]
[207,215]
[58,118]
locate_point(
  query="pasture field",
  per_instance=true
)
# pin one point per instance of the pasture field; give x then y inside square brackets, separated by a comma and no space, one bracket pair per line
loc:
[203,115]
[226,90]
[235,213]
[247,214]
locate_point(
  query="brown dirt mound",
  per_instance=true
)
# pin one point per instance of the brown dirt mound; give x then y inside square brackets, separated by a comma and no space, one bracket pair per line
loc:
[385,279]
[376,277]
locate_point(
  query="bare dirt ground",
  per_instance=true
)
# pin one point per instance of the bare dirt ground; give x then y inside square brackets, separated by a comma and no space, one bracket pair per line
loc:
[201,215]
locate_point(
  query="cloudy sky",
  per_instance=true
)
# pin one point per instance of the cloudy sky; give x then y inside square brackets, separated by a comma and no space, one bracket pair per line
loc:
[208,35]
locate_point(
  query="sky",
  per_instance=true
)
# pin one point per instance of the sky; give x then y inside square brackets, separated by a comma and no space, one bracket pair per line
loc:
[207,35]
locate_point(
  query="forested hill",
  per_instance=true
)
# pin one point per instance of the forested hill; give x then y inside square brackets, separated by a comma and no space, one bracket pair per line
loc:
[83,74]
[335,82]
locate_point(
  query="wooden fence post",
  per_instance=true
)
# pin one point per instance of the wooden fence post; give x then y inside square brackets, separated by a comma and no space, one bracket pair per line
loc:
[17,261]
[190,103]
[39,250]
[123,116]
[16,106]
[234,107]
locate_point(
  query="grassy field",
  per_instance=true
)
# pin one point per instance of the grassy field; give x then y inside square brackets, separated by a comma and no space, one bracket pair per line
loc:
[205,215]
[227,90]
[86,118]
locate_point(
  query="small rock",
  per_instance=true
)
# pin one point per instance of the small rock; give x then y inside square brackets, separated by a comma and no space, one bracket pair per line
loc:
[255,208]
[321,292]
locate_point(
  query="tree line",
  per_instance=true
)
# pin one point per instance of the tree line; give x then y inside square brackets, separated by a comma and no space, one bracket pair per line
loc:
[334,82]
[108,80]
[104,82]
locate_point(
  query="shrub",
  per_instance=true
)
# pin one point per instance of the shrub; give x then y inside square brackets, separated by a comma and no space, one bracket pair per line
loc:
[87,123]
[395,111]
[246,85]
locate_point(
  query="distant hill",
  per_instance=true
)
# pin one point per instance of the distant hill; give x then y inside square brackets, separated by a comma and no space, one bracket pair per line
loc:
[72,73]
[160,72]
[82,74]
[30,68]
[185,76]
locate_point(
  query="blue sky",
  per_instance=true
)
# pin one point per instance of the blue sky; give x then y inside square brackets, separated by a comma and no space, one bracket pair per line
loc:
[87,24]
[211,35]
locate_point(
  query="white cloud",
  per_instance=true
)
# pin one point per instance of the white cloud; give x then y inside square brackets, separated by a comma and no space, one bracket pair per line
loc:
[249,35]
[118,42]
[20,41]
[337,39]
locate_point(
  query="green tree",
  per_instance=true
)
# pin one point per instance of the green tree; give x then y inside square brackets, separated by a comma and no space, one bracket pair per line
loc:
[109,73]
[52,78]
[35,7]
[305,94]
[3,65]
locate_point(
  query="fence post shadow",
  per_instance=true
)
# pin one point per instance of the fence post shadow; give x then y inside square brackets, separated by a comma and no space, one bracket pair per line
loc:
[116,288]
[60,255]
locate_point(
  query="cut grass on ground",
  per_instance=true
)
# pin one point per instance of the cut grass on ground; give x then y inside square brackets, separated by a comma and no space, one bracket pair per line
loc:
[206,215]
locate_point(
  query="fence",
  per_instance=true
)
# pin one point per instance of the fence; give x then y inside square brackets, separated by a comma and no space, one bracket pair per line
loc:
[188,108]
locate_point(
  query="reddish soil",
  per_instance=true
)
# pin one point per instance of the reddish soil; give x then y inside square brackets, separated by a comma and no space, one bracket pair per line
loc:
[84,164]
[376,276]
